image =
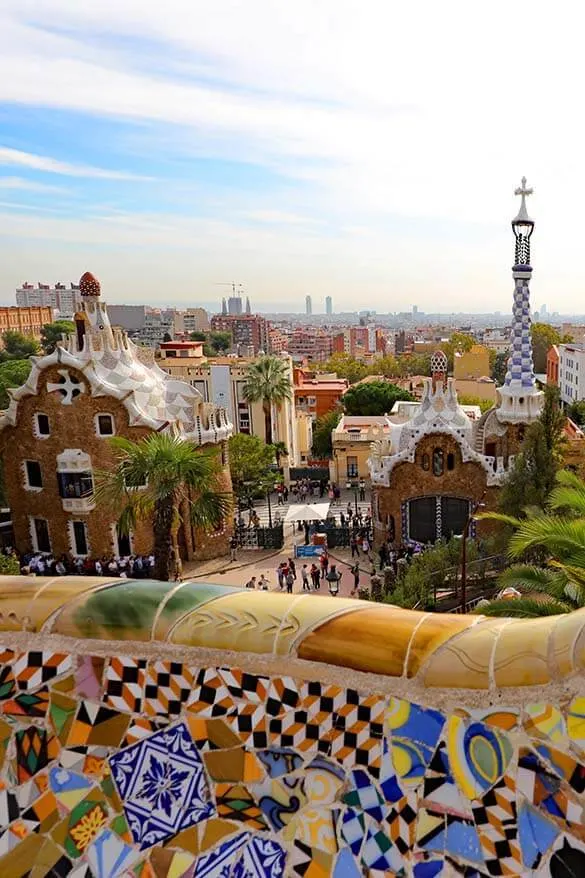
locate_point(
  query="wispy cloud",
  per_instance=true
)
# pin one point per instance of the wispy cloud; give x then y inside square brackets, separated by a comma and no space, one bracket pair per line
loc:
[24,185]
[17,157]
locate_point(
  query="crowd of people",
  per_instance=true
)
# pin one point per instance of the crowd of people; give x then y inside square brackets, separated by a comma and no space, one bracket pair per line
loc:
[134,566]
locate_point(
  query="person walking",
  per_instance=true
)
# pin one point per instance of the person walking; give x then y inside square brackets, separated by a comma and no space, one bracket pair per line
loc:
[356,575]
[290,581]
[305,578]
[362,491]
[292,567]
[251,583]
[333,575]
[324,562]
[280,575]
[353,544]
[233,548]
[263,583]
[383,555]
[315,576]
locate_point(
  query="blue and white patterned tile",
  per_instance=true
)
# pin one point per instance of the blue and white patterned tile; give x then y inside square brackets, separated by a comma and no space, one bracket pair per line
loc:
[162,784]
[353,830]
[109,856]
[346,866]
[219,862]
[261,858]
[379,854]
[364,795]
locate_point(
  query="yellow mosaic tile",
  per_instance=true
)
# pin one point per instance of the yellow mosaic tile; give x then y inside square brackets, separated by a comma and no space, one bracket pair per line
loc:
[313,827]
[521,656]
[464,661]
[379,638]
[432,632]
[576,721]
[565,632]
[16,596]
[58,592]
[545,721]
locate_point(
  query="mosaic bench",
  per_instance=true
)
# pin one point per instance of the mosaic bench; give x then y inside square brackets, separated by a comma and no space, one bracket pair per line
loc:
[156,730]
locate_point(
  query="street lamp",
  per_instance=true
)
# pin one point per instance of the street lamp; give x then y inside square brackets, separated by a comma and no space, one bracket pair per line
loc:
[349,486]
[472,510]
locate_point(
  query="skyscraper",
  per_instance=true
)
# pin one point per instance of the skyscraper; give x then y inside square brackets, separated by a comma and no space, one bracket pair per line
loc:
[328,305]
[308,306]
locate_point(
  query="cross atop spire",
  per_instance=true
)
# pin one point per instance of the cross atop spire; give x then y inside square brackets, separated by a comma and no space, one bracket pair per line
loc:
[523,192]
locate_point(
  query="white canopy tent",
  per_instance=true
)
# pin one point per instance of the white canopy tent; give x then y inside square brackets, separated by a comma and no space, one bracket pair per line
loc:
[307,512]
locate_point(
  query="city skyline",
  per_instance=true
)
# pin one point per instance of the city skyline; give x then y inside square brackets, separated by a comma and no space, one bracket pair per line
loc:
[315,160]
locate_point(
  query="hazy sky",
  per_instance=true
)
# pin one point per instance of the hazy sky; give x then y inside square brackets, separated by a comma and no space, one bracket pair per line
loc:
[366,149]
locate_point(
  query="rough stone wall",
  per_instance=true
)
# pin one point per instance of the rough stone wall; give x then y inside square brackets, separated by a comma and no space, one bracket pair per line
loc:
[73,426]
[410,480]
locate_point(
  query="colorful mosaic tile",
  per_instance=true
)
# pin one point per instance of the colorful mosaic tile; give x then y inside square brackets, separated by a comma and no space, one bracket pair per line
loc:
[128,768]
[162,784]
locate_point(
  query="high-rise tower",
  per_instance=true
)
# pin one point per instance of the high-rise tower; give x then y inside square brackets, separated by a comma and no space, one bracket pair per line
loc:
[308,306]
[520,400]
[328,305]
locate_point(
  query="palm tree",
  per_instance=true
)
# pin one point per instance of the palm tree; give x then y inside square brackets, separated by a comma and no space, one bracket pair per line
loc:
[268,381]
[555,539]
[280,450]
[163,478]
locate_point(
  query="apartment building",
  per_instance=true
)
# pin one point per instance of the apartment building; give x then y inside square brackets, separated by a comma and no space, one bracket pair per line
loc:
[317,393]
[571,373]
[249,331]
[66,300]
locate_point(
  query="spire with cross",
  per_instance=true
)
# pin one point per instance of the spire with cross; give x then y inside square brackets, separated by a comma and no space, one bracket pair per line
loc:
[523,191]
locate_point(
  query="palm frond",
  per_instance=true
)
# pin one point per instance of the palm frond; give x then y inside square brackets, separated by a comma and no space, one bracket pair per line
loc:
[554,533]
[529,577]
[523,608]
[569,494]
[210,509]
[498,516]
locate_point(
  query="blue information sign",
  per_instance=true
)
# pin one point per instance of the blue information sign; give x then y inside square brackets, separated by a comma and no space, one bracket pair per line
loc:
[308,551]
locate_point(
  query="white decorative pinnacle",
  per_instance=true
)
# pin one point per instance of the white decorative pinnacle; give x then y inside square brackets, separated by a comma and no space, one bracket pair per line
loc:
[523,192]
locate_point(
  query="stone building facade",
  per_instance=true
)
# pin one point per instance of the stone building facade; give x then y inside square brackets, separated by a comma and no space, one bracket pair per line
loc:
[54,439]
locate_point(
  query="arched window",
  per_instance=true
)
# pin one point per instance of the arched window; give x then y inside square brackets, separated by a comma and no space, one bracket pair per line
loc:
[425,462]
[450,461]
[438,462]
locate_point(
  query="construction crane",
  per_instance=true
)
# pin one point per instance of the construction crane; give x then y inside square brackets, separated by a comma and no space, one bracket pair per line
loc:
[236,288]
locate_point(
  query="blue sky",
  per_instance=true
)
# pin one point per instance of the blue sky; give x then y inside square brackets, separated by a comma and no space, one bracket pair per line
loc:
[364,149]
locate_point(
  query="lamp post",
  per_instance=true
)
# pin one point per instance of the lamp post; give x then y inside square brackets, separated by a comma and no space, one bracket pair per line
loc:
[472,510]
[269,507]
[349,486]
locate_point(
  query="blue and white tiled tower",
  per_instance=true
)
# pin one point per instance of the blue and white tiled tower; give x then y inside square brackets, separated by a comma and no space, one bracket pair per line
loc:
[520,400]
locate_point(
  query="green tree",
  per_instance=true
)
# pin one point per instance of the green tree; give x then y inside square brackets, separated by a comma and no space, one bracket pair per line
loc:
[268,381]
[484,404]
[576,412]
[198,336]
[322,446]
[250,462]
[415,364]
[13,373]
[167,337]
[533,474]
[544,337]
[555,539]
[177,478]
[220,341]
[499,368]
[51,333]
[435,568]
[373,398]
[459,341]
[345,367]
[17,346]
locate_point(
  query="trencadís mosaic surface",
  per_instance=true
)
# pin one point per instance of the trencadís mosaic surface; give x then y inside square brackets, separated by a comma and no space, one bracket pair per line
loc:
[137,756]
[128,767]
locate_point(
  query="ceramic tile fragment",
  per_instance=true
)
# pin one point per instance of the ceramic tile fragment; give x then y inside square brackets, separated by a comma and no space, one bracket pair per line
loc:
[478,755]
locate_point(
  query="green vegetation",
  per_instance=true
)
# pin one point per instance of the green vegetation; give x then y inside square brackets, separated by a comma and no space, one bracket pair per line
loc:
[177,478]
[322,447]
[9,565]
[499,368]
[13,373]
[576,412]
[51,333]
[17,346]
[543,338]
[435,568]
[268,381]
[373,398]
[532,477]
[469,399]
[550,548]
[214,343]
[250,462]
